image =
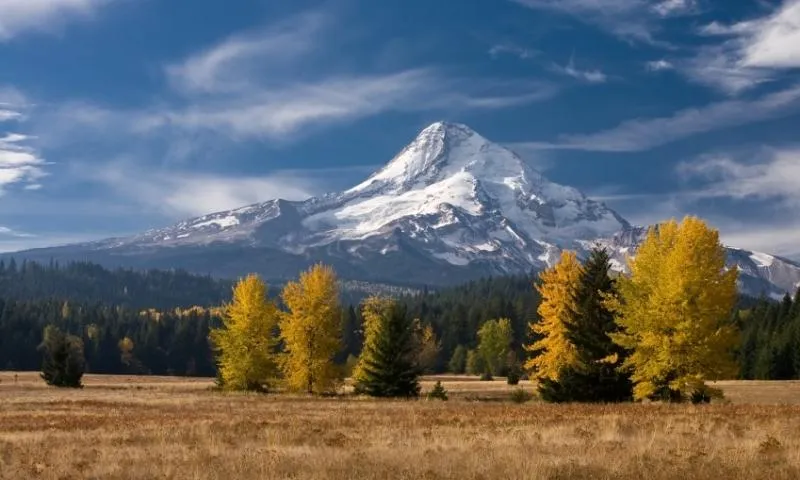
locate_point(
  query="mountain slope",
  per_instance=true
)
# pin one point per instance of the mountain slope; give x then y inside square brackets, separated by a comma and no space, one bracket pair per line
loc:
[451,206]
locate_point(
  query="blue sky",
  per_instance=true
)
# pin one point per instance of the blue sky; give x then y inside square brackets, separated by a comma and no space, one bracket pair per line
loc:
[121,115]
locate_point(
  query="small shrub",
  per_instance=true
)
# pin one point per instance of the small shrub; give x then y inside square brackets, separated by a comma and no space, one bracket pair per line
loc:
[486,376]
[701,396]
[514,374]
[520,396]
[438,392]
[769,445]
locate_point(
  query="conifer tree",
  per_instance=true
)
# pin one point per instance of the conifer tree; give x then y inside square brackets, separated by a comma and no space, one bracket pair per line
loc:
[63,363]
[390,368]
[675,312]
[311,331]
[374,311]
[245,344]
[595,376]
[553,351]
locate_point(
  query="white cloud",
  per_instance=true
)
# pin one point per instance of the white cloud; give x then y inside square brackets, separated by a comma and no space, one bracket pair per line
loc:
[19,163]
[19,16]
[670,8]
[644,134]
[7,232]
[591,76]
[752,51]
[779,238]
[6,115]
[511,49]
[634,20]
[181,193]
[229,65]
[658,65]
[773,176]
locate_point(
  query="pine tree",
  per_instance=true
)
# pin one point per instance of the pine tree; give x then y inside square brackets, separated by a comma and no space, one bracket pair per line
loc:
[245,344]
[390,368]
[311,331]
[595,376]
[63,363]
[374,311]
[553,351]
[675,312]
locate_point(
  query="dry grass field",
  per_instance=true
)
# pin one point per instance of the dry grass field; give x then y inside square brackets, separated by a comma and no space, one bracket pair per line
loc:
[158,427]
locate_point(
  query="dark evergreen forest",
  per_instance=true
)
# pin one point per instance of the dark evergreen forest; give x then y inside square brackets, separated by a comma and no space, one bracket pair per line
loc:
[157,322]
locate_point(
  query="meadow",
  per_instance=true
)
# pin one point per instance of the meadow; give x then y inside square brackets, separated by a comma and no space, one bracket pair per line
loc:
[168,427]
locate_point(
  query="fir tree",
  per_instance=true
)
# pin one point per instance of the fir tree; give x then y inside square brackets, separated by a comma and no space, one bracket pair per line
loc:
[595,376]
[63,364]
[390,368]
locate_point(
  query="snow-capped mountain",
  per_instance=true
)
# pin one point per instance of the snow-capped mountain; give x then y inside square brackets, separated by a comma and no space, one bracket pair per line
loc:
[759,273]
[451,206]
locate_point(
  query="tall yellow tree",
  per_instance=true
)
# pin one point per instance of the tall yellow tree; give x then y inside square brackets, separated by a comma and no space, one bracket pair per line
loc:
[245,344]
[312,331]
[553,350]
[674,312]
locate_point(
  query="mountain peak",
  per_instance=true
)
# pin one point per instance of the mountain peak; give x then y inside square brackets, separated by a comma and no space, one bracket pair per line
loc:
[434,149]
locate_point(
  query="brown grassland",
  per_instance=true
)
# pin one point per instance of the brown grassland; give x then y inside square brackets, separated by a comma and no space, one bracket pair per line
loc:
[160,427]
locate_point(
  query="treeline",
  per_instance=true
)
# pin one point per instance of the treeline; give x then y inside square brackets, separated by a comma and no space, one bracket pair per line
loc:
[115,339]
[770,344]
[83,282]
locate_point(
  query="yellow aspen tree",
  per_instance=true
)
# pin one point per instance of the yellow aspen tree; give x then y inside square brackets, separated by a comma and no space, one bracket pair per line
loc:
[427,347]
[312,331]
[554,351]
[674,313]
[373,311]
[245,345]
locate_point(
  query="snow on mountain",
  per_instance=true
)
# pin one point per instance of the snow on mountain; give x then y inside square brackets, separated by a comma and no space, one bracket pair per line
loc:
[449,207]
[759,273]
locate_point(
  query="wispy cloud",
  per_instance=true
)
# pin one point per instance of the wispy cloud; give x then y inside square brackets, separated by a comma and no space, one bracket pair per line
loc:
[18,16]
[751,52]
[644,134]
[636,20]
[181,193]
[231,65]
[19,162]
[513,50]
[772,175]
[570,70]
[658,65]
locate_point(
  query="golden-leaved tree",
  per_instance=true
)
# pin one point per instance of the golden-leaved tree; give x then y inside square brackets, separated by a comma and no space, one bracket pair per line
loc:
[245,344]
[553,351]
[312,331]
[674,313]
[426,346]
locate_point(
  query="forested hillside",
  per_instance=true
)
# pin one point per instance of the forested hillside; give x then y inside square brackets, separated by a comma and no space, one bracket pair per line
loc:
[91,283]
